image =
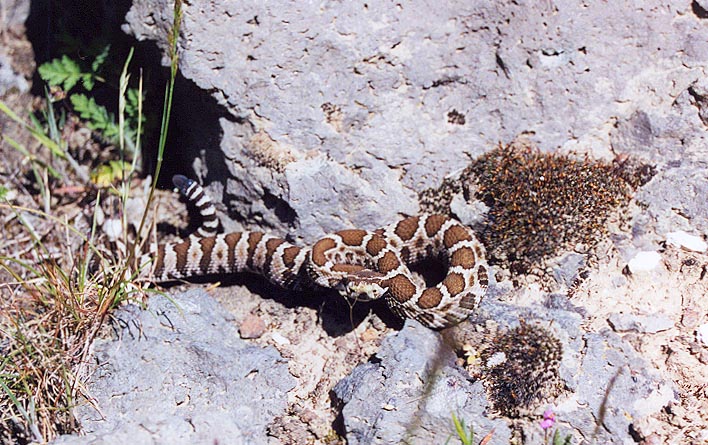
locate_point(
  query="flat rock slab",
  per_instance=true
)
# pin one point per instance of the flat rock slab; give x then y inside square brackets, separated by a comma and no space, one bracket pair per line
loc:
[178,373]
[410,392]
[645,324]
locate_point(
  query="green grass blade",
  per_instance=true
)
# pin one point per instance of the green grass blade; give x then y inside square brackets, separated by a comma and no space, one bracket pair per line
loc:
[11,114]
[19,147]
[51,121]
[37,134]
[164,126]
[13,399]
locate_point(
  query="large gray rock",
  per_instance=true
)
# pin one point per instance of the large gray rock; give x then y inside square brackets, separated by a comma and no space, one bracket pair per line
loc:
[373,102]
[609,386]
[178,373]
[410,390]
[409,394]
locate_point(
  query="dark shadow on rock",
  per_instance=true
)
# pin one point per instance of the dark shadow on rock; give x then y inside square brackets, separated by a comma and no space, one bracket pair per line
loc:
[338,316]
[55,26]
[195,132]
[80,30]
[281,208]
[699,10]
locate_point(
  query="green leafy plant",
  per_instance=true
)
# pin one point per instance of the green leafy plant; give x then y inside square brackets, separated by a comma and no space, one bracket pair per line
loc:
[107,174]
[66,73]
[96,116]
[558,438]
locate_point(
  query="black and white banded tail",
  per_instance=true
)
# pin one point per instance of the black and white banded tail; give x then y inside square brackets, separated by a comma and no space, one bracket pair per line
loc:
[196,195]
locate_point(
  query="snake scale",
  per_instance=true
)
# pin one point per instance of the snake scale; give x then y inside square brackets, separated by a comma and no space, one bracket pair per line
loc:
[359,264]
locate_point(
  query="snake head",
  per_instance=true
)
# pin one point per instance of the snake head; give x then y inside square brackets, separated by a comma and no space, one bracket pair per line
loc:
[362,285]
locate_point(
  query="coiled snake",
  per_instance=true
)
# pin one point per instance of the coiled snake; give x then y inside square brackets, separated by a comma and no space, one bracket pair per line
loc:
[359,264]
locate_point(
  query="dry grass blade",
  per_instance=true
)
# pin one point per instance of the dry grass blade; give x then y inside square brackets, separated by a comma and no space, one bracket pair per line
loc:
[50,311]
[58,284]
[44,326]
[487,438]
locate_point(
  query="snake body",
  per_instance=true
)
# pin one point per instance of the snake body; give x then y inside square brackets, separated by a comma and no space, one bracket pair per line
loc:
[360,264]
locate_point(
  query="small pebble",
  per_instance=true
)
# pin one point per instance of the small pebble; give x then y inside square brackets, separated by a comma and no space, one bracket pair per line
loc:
[496,359]
[644,261]
[369,334]
[280,339]
[702,334]
[252,327]
[686,241]
[10,195]
[619,281]
[690,317]
[653,439]
[342,344]
[703,356]
[703,435]
[113,228]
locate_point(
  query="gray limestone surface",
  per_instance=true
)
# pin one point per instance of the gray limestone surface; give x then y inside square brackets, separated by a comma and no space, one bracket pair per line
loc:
[336,114]
[178,373]
[608,385]
[13,13]
[410,392]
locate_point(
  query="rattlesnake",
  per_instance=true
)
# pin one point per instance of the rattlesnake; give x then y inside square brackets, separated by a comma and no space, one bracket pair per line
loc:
[360,264]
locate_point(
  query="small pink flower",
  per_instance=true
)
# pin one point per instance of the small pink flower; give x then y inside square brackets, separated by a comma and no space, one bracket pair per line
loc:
[549,419]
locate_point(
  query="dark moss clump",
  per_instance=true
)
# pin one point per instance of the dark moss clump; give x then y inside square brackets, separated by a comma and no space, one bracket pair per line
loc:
[521,368]
[437,200]
[542,202]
